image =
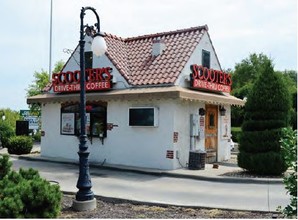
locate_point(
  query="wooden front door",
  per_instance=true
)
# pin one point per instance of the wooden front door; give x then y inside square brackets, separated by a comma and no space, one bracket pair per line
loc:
[211,126]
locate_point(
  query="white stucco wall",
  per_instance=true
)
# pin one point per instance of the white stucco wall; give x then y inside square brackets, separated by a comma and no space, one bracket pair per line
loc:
[183,110]
[52,143]
[125,145]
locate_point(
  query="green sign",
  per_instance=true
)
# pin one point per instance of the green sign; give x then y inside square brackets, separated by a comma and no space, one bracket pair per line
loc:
[24,113]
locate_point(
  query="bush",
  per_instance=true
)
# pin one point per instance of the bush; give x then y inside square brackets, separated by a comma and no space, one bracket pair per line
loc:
[266,163]
[27,195]
[236,131]
[37,136]
[266,113]
[5,165]
[20,145]
[289,151]
[6,132]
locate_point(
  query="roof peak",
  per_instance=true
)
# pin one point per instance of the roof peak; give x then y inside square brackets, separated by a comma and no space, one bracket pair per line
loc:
[197,28]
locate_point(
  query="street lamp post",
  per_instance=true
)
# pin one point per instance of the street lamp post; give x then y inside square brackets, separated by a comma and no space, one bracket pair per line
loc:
[85,197]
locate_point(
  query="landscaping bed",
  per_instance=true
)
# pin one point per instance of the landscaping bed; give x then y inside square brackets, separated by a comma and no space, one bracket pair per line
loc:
[115,209]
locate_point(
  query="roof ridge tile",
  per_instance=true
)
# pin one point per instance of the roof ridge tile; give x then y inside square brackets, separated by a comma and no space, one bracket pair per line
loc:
[179,31]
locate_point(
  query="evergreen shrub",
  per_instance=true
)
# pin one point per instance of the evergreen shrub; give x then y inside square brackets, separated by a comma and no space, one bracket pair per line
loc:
[263,163]
[5,165]
[266,112]
[6,132]
[20,145]
[27,195]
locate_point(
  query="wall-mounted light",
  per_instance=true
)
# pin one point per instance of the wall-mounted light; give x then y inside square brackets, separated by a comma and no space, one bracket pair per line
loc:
[222,110]
[202,111]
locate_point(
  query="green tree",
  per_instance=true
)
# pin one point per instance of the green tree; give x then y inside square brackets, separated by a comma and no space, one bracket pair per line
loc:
[41,80]
[290,78]
[58,66]
[11,117]
[245,75]
[266,112]
[8,125]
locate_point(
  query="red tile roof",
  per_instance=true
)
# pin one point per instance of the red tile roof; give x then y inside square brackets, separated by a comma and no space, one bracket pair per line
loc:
[133,56]
[134,60]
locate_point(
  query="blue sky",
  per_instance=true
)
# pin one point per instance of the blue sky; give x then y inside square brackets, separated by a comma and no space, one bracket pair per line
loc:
[237,28]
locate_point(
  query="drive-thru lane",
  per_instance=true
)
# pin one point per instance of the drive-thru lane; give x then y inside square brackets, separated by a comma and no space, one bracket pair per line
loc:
[165,190]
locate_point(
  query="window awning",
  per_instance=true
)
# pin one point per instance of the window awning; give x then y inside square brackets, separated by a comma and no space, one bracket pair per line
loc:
[173,92]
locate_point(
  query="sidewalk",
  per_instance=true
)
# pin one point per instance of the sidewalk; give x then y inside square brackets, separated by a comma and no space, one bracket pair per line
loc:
[207,174]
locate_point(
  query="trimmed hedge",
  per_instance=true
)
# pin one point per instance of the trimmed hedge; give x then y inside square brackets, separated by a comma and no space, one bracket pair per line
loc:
[260,141]
[266,112]
[20,145]
[265,163]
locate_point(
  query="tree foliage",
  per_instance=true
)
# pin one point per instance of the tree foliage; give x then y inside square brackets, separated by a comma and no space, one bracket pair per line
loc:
[41,80]
[266,112]
[289,151]
[246,73]
[11,117]
[244,77]
[7,126]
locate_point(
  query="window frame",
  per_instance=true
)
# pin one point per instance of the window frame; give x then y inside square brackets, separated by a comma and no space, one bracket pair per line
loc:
[155,117]
[92,116]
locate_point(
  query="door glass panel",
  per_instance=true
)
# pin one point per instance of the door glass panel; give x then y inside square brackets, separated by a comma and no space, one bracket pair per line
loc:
[211,120]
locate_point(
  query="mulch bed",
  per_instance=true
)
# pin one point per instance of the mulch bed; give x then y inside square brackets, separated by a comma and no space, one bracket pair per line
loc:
[116,209]
[246,174]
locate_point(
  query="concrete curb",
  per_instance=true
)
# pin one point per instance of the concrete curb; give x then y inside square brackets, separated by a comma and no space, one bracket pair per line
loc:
[224,179]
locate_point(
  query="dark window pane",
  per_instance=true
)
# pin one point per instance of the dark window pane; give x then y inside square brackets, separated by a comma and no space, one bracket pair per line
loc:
[211,120]
[141,117]
[206,59]
[88,59]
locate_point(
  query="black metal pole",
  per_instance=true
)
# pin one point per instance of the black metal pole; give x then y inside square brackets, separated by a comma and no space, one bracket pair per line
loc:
[84,181]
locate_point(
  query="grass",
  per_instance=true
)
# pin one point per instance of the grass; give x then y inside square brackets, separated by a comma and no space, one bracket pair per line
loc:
[237,129]
[235,133]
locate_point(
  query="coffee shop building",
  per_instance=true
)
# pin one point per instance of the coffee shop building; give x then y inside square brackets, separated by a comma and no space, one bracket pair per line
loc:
[151,100]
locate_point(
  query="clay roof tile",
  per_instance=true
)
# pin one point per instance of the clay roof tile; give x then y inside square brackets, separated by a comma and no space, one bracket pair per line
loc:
[133,58]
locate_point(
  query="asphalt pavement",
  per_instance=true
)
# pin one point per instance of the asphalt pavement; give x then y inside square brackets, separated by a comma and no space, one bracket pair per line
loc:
[183,187]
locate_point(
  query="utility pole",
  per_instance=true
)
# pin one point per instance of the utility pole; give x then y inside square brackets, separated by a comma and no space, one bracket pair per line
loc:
[50,55]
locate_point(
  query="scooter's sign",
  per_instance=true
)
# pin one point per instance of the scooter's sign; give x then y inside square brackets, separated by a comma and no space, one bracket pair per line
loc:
[96,79]
[209,79]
